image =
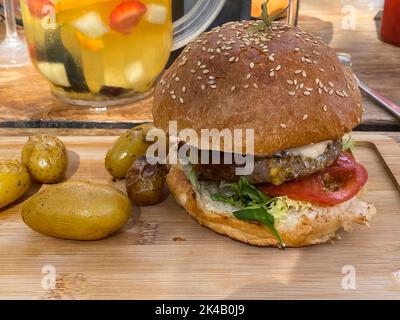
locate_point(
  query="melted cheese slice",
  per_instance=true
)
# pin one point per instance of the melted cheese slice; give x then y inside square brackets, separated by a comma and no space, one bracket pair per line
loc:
[312,151]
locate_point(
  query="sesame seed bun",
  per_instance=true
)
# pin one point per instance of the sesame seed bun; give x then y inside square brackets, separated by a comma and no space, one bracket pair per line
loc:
[303,227]
[286,84]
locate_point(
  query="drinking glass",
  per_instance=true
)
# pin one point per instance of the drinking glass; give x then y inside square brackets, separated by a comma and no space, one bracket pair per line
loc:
[106,52]
[13,52]
[293,12]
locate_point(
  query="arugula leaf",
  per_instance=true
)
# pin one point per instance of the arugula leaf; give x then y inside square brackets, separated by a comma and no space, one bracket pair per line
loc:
[194,178]
[262,216]
[227,200]
[256,205]
[265,20]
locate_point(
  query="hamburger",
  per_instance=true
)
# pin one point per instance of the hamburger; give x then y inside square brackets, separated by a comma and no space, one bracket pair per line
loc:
[290,88]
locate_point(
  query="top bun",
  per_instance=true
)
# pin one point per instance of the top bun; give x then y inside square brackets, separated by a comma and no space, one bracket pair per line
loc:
[284,83]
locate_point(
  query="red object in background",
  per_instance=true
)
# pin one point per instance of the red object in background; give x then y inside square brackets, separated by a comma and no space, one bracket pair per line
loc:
[390,30]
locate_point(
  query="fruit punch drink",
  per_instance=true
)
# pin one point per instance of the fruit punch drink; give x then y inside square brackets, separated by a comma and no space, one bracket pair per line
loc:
[97,52]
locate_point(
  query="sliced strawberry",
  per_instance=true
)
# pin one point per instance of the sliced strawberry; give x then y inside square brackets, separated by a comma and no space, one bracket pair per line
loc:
[36,7]
[127,15]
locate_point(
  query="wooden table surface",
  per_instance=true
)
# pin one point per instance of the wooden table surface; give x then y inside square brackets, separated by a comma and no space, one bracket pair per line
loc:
[26,100]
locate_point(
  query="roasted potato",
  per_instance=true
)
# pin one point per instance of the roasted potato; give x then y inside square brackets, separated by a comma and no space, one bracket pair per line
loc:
[14,182]
[126,149]
[77,210]
[46,158]
[145,182]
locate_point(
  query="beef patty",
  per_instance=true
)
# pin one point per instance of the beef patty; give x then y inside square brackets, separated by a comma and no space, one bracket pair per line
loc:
[276,169]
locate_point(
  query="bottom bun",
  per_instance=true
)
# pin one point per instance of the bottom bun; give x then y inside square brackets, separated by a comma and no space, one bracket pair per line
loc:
[301,227]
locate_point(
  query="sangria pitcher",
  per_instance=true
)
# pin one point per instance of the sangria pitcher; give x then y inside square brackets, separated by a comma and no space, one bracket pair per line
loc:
[107,52]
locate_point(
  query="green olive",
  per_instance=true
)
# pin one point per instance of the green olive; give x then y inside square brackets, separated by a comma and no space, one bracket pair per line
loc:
[46,158]
[14,182]
[126,149]
[145,182]
[77,210]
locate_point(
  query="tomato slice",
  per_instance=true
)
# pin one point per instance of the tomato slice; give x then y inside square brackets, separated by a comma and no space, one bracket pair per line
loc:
[336,184]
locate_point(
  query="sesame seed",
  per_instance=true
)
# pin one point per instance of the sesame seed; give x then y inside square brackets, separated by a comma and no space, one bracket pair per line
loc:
[213,86]
[172,92]
[325,108]
[206,71]
[248,76]
[193,71]
[218,50]
[203,66]
[289,82]
[231,59]
[358,119]
[304,74]
[331,84]
[307,93]
[181,100]
[320,91]
[199,78]
[212,57]
[255,85]
[297,49]
[174,75]
[271,57]
[199,63]
[246,86]
[317,81]
[203,87]
[173,97]
[237,59]
[305,117]
[283,126]
[177,79]
[278,68]
[183,89]
[298,71]
[204,48]
[358,105]
[211,82]
[331,92]
[295,82]
[252,65]
[291,93]
[163,91]
[272,74]
[211,77]
[233,88]
[321,69]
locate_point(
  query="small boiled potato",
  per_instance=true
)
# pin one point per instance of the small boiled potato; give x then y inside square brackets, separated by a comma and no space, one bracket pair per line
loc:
[126,149]
[145,182]
[14,182]
[46,158]
[77,210]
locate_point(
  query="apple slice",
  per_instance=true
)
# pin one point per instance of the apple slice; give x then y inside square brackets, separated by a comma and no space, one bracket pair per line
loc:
[91,25]
[127,15]
[156,14]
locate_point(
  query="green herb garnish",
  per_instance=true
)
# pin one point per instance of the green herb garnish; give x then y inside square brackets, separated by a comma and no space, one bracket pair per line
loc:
[349,144]
[254,205]
[265,20]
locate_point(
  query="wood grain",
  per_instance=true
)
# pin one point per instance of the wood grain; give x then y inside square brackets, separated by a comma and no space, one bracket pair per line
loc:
[25,96]
[163,253]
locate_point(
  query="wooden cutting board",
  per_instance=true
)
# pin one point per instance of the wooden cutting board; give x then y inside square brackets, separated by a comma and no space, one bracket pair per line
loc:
[163,253]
